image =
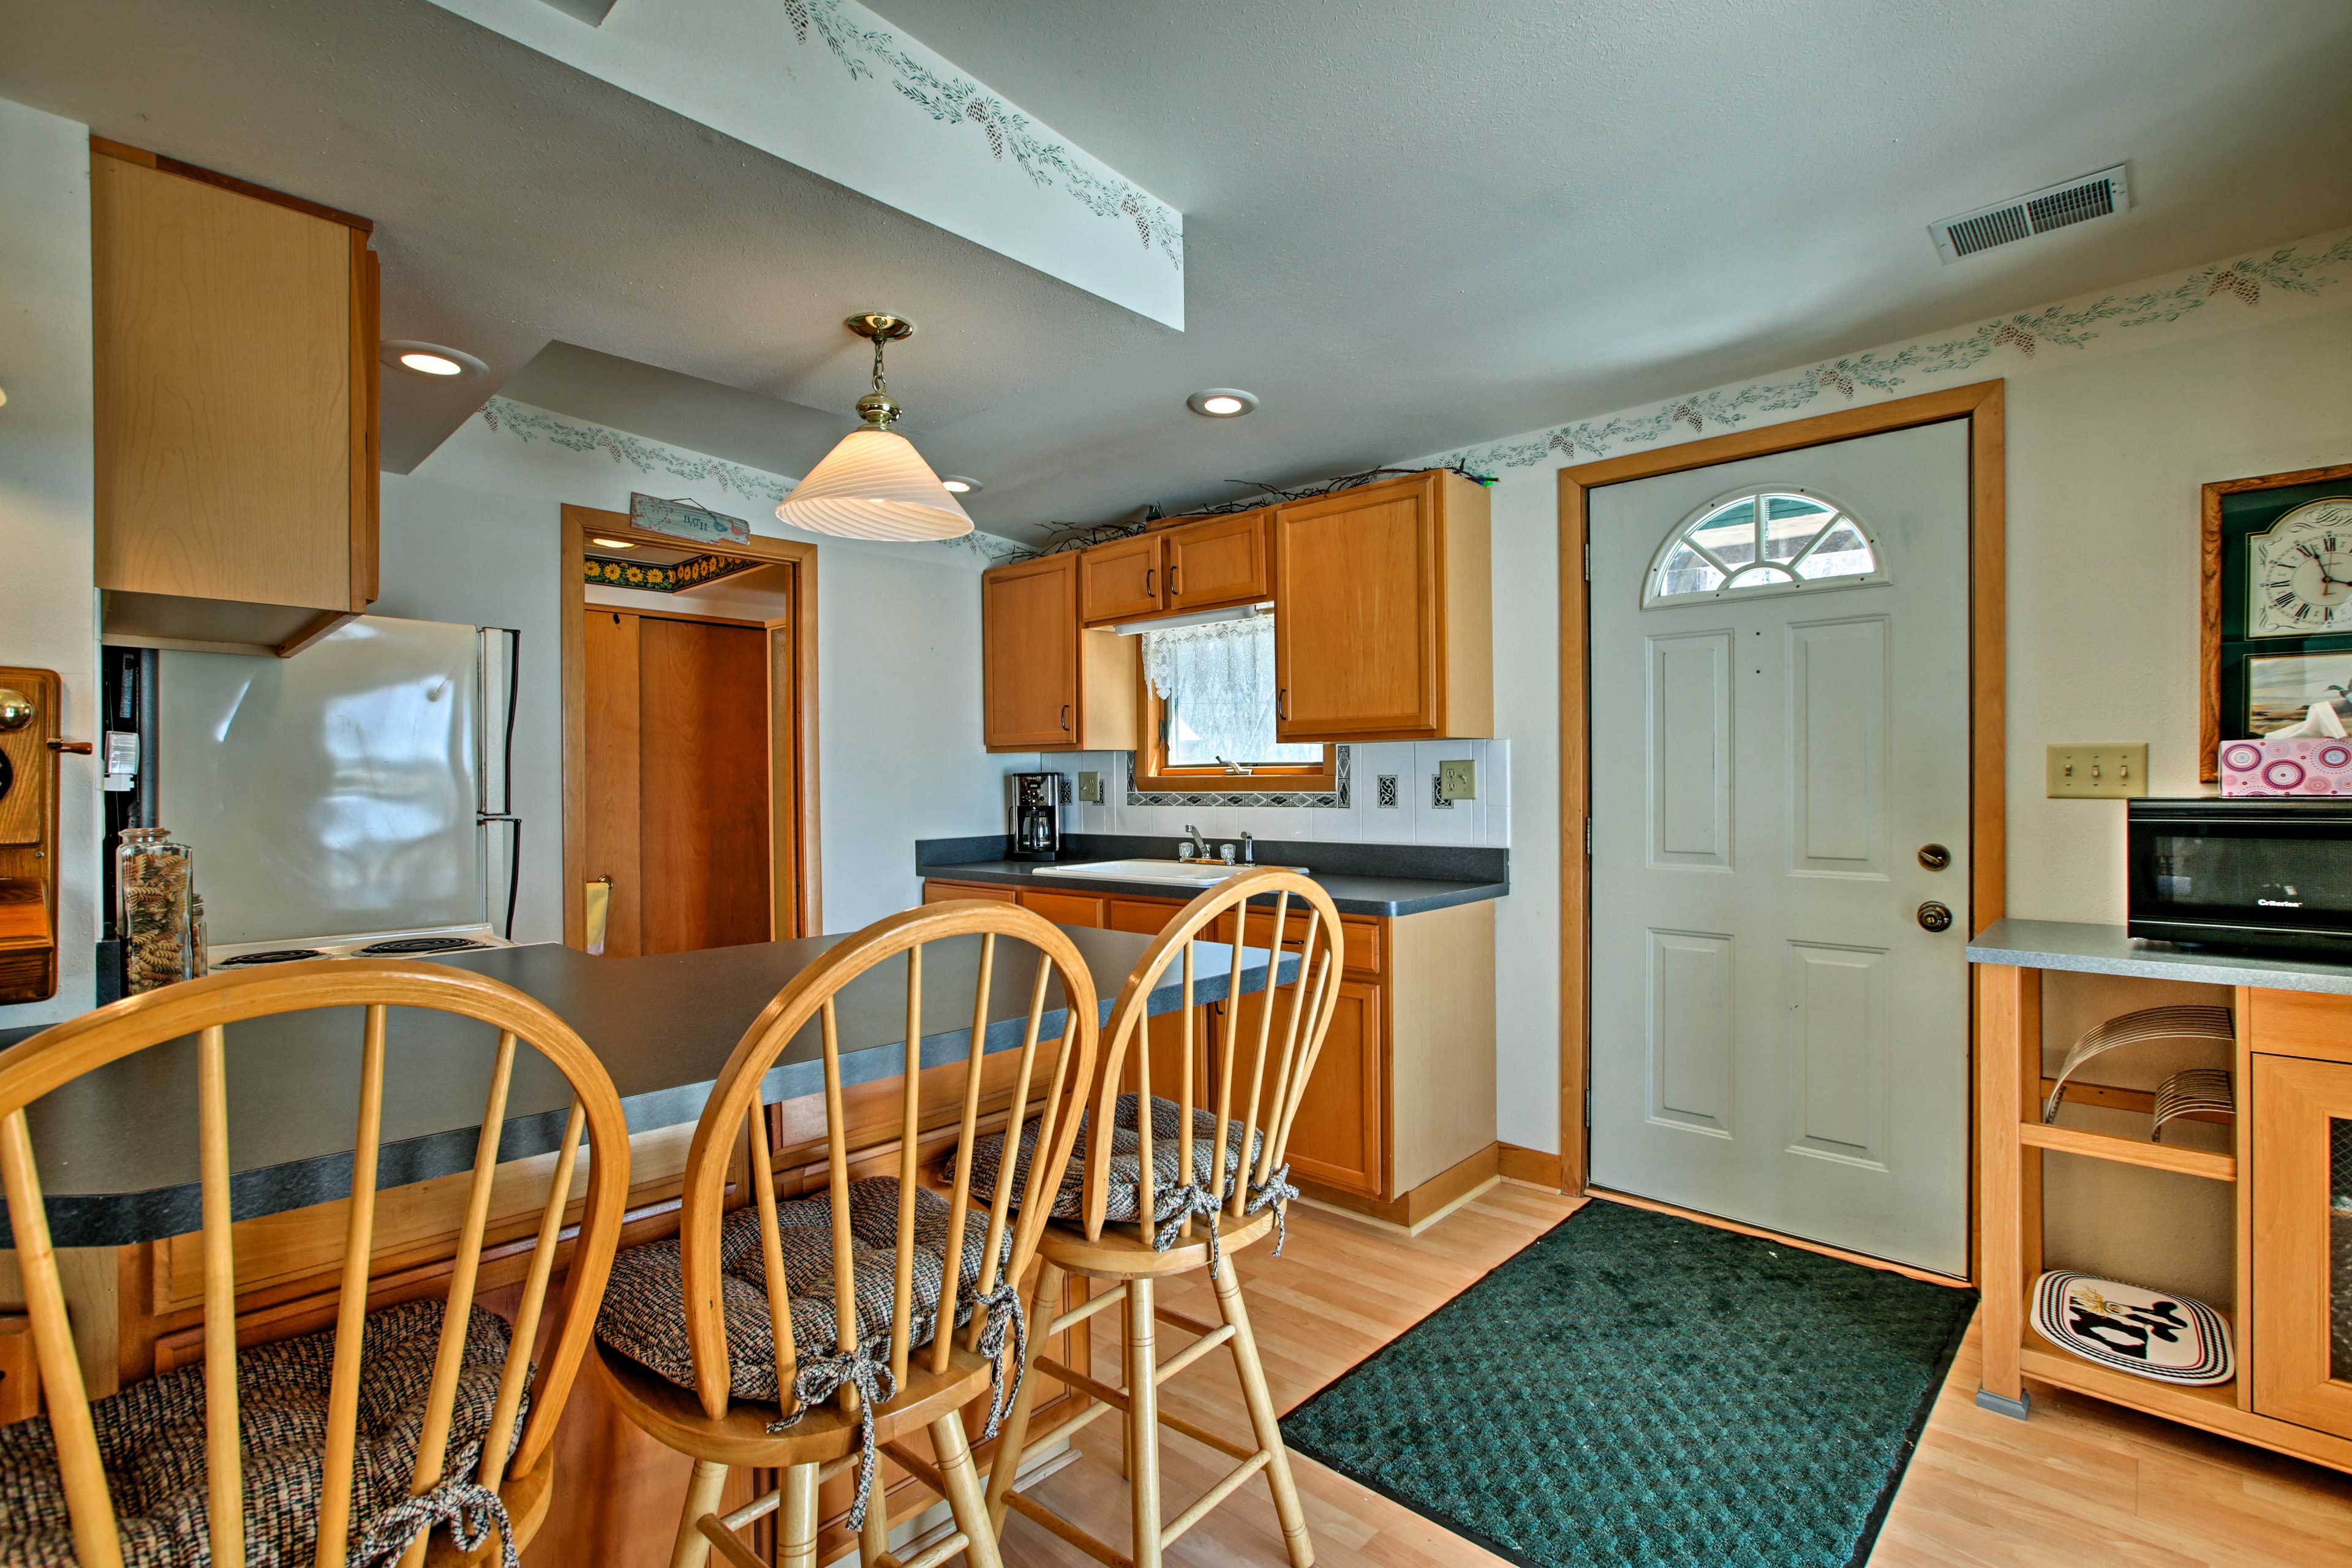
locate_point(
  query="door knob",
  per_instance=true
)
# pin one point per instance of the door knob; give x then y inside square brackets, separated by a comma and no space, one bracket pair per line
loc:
[1934,857]
[1935,916]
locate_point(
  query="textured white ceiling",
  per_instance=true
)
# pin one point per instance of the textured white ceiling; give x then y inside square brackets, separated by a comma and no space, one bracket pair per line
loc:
[1407,226]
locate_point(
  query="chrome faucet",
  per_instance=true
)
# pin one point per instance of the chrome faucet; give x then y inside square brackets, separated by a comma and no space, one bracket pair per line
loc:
[1249,849]
[1196,848]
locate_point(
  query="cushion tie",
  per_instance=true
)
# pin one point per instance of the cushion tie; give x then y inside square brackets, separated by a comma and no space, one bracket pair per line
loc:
[1171,1206]
[1275,1193]
[865,1369]
[471,1510]
[1003,1306]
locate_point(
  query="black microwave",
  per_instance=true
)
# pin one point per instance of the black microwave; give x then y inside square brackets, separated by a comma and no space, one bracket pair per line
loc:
[2245,871]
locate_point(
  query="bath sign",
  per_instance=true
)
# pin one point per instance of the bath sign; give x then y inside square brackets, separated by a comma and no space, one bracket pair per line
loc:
[687,520]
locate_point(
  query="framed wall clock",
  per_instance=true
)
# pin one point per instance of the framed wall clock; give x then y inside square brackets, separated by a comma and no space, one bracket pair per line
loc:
[2277,580]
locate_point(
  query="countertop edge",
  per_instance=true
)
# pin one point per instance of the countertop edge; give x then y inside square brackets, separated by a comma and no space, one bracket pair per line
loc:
[2089,948]
[1443,895]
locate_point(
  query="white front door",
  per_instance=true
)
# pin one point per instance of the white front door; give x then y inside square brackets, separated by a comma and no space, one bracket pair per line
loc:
[1779,729]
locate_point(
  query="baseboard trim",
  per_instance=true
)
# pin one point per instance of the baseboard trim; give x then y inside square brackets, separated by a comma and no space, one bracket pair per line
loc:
[1909,1271]
[1528,1167]
[1411,1210]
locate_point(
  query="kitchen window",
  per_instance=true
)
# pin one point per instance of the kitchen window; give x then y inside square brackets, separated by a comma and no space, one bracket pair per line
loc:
[1208,701]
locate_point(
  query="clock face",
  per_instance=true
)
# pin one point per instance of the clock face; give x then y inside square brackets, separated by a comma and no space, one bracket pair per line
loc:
[2299,571]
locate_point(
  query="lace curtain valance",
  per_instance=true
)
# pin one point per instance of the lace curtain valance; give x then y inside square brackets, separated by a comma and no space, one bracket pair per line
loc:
[1219,680]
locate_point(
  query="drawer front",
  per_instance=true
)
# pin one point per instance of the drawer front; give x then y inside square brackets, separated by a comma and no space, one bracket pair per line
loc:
[1063,909]
[1145,917]
[2302,1024]
[935,892]
[1363,934]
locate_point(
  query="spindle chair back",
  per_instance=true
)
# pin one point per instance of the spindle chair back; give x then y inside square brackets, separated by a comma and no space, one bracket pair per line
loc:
[945,1374]
[1278,1066]
[207,1009]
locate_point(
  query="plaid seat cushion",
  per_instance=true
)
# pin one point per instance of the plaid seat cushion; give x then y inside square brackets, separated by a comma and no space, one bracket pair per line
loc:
[1124,1178]
[644,1314]
[151,1438]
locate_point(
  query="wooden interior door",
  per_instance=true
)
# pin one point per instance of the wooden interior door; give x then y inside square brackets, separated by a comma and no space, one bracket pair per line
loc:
[2301,1343]
[678,780]
[1029,666]
[1355,638]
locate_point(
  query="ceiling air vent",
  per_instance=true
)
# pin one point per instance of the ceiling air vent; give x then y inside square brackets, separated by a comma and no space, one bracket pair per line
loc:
[2103,195]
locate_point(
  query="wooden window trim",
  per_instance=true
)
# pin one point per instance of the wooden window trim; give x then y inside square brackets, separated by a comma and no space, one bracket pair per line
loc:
[1153,775]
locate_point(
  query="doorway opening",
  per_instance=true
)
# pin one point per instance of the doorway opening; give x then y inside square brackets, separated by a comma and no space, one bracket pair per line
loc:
[690,739]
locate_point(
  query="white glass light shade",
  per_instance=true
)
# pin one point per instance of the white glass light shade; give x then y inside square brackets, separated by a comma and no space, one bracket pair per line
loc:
[875,485]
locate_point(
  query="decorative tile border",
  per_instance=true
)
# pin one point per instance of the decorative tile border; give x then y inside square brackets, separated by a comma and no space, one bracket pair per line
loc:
[521,422]
[950,97]
[2302,270]
[1334,800]
[612,572]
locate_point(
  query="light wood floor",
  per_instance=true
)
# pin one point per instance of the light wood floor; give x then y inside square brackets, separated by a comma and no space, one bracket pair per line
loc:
[2081,1482]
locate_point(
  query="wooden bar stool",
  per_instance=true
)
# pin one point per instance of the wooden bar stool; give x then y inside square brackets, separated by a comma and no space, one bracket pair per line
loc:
[1130,1210]
[422,1399]
[783,1335]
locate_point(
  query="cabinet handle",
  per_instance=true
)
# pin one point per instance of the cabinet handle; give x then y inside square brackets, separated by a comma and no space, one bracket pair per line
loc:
[1065,717]
[1282,703]
[1175,576]
[1148,573]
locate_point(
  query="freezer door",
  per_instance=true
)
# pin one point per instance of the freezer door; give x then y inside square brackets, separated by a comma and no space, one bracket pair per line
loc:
[335,791]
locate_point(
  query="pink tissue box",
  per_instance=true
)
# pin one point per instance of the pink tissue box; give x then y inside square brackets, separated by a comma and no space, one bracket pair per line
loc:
[2306,765]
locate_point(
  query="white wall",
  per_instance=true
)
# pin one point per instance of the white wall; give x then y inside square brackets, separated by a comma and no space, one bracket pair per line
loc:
[474,535]
[47,609]
[2119,406]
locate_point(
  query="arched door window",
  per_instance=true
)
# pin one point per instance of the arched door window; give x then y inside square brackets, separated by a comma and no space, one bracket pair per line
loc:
[1763,541]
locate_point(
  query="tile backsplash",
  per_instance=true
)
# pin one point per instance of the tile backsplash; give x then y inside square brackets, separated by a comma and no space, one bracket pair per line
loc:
[1373,815]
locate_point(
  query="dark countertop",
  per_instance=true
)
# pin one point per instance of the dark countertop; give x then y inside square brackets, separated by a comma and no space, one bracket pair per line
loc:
[2089,949]
[117,1148]
[1362,879]
[1353,895]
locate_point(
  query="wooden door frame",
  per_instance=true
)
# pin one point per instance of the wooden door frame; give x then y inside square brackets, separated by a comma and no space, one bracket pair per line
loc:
[799,815]
[1980,404]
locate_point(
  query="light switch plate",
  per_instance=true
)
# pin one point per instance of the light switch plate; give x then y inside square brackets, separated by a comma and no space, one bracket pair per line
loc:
[1458,780]
[2098,770]
[1091,787]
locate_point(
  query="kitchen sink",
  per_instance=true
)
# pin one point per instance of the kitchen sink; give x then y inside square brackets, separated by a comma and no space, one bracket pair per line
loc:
[1184,873]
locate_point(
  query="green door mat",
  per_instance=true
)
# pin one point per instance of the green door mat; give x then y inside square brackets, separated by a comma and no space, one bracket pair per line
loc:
[1637,1391]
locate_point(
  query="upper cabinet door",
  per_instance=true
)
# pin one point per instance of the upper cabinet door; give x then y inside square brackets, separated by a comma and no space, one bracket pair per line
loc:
[1355,635]
[1122,581]
[234,370]
[1220,561]
[1029,666]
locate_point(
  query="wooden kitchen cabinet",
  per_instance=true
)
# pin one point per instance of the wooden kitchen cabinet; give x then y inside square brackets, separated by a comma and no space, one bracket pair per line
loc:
[1224,561]
[1121,581]
[1336,1140]
[235,363]
[1048,684]
[1384,623]
[1063,909]
[2303,1241]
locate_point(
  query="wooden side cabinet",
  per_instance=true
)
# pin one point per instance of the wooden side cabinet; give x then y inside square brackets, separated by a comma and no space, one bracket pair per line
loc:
[235,337]
[1385,625]
[2302,1341]
[1048,684]
[1206,565]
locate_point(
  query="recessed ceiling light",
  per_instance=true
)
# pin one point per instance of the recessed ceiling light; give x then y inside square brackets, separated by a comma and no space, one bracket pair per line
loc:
[435,360]
[958,485]
[1222,402]
[616,544]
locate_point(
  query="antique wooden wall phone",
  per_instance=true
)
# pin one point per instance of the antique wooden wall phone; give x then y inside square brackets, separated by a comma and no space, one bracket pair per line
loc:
[29,748]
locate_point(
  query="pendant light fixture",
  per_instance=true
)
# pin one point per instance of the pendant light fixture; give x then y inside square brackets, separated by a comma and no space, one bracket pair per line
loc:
[875,485]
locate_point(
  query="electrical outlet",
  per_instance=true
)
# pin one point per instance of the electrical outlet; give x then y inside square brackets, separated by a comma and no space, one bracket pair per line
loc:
[1090,788]
[1458,780]
[2096,770]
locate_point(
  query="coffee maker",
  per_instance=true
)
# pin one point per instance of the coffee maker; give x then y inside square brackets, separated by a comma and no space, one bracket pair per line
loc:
[1036,816]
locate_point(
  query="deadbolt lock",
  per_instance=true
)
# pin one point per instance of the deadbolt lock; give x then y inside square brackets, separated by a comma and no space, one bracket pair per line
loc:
[1934,857]
[1935,916]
